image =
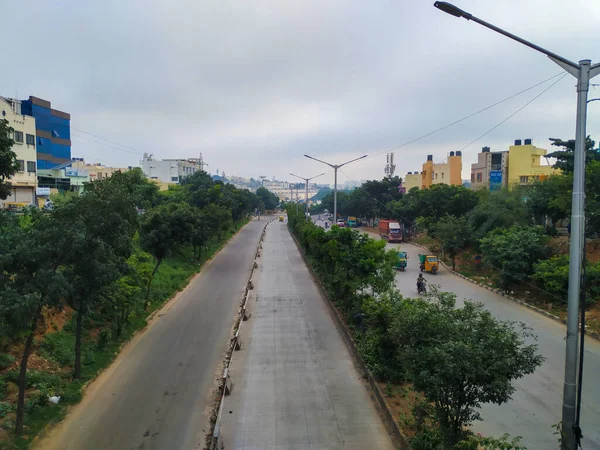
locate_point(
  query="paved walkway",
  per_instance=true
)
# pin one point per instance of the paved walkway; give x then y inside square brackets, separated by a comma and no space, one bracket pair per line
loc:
[295,386]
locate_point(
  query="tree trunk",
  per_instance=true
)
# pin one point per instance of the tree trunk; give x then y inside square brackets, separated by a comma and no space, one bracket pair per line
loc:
[78,340]
[23,373]
[146,302]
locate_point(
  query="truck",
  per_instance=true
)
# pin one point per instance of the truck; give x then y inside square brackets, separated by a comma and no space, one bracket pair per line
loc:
[390,230]
[352,222]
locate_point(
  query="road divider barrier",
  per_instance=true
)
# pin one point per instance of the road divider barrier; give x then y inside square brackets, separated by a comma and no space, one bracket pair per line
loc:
[226,385]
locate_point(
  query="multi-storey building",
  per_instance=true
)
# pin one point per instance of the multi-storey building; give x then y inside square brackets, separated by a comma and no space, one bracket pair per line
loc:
[24,182]
[53,132]
[447,172]
[168,171]
[490,171]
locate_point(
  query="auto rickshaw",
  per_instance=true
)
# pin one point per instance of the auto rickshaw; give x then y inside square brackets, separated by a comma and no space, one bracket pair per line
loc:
[281,218]
[429,263]
[401,262]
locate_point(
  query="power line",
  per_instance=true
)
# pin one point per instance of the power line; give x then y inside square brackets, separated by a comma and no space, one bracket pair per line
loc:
[466,117]
[106,144]
[105,139]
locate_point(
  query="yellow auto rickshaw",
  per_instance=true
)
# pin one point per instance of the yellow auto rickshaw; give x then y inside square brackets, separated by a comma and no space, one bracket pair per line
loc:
[429,263]
[281,218]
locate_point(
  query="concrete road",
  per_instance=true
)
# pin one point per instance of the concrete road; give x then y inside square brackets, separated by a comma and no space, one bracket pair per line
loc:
[158,393]
[537,403]
[295,386]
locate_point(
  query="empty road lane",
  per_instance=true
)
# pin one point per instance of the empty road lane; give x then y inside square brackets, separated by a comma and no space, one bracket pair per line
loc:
[157,393]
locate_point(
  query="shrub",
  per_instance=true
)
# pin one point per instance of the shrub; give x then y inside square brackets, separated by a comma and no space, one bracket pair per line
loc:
[59,347]
[514,251]
[6,360]
[5,408]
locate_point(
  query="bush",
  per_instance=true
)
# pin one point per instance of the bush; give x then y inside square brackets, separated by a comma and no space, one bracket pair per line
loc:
[514,251]
[5,408]
[3,388]
[6,360]
[553,275]
[59,347]
[35,378]
[103,339]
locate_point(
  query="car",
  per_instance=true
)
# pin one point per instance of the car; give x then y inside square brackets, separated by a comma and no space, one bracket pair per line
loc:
[340,223]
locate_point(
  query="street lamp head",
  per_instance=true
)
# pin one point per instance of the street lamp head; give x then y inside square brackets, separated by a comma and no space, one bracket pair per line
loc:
[449,8]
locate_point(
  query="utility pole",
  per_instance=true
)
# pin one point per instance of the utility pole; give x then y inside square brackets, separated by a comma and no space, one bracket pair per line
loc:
[306,180]
[201,163]
[583,71]
[335,168]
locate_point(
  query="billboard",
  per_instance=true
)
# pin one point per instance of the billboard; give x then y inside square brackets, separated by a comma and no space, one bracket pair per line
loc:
[70,172]
[42,191]
[495,180]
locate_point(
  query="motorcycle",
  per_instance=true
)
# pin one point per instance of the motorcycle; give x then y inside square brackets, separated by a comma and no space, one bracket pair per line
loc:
[421,289]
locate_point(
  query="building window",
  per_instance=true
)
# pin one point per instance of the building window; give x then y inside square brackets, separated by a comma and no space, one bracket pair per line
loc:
[21,165]
[442,175]
[175,179]
[479,177]
[472,178]
[30,139]
[524,179]
[18,137]
[436,176]
[30,164]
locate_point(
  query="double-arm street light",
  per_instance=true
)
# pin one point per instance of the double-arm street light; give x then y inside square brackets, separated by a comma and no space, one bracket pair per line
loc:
[306,180]
[335,169]
[583,71]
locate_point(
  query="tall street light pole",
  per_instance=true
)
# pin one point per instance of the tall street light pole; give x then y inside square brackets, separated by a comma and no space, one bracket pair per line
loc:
[583,71]
[306,180]
[335,169]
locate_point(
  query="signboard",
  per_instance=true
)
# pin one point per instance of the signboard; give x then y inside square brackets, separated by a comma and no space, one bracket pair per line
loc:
[495,180]
[70,172]
[42,191]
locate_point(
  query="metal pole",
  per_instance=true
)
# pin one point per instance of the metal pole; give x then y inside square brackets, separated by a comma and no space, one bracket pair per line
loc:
[307,197]
[335,168]
[297,200]
[575,258]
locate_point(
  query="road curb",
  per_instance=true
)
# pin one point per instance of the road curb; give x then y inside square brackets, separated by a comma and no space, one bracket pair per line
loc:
[399,439]
[554,317]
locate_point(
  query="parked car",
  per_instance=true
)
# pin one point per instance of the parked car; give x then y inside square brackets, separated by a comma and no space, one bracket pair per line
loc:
[341,223]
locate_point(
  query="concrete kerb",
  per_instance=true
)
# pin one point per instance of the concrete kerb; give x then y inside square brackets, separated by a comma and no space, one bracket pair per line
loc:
[399,439]
[214,440]
[554,317]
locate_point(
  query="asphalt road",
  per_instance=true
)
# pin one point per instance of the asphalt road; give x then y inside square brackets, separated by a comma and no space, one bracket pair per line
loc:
[157,395]
[537,403]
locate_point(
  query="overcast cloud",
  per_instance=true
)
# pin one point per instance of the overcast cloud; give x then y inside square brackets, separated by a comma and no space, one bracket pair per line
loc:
[254,85]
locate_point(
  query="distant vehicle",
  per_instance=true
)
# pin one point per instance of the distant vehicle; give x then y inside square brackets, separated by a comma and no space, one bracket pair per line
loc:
[428,263]
[341,224]
[390,230]
[352,222]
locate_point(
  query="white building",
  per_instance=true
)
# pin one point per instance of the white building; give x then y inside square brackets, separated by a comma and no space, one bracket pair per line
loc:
[24,182]
[171,171]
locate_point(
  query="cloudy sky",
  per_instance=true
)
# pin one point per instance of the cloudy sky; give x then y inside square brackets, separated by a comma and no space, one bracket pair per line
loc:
[255,84]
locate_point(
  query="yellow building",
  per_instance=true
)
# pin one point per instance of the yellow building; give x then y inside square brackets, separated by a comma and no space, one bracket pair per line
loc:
[24,182]
[412,180]
[525,164]
[448,172]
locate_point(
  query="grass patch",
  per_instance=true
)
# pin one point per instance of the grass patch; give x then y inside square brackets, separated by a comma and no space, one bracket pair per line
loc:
[172,276]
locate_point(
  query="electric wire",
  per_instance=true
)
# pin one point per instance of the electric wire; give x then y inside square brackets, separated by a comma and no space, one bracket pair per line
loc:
[466,117]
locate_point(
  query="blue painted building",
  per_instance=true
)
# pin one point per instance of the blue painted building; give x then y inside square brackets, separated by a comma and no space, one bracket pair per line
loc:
[53,132]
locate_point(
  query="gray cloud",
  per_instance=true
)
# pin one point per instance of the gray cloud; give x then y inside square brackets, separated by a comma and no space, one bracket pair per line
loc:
[254,85]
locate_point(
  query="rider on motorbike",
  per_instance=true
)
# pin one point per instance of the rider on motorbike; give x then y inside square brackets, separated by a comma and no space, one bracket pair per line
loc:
[421,283]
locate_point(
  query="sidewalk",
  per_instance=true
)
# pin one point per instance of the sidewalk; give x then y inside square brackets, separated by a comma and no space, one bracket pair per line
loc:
[295,386]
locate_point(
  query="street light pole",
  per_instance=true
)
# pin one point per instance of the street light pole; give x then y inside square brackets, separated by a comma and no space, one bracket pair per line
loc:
[584,71]
[335,168]
[306,180]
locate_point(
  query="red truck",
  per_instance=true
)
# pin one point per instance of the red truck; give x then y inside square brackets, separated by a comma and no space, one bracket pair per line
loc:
[390,230]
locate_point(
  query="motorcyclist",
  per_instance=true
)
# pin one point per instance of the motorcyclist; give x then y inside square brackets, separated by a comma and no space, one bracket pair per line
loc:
[421,283]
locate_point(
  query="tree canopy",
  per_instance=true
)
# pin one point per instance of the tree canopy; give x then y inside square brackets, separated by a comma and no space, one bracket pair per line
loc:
[8,159]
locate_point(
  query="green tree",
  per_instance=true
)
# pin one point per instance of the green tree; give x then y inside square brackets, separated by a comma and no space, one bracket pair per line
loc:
[269,199]
[30,279]
[8,159]
[565,156]
[461,358]
[498,209]
[454,234]
[550,198]
[514,251]
[100,225]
